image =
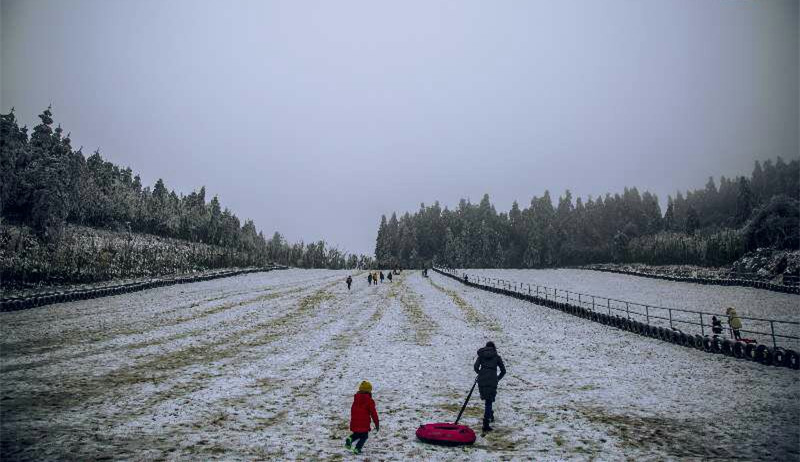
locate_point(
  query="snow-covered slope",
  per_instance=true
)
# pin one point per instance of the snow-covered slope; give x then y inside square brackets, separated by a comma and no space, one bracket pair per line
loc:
[264,366]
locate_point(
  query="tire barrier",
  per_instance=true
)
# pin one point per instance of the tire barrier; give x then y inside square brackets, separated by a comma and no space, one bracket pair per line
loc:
[760,353]
[783,288]
[33,301]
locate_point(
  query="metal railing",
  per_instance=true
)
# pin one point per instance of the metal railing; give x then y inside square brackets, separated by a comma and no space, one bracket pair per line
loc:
[777,332]
[786,283]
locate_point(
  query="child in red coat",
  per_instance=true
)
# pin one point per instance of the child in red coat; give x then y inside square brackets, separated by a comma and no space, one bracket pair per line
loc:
[361,411]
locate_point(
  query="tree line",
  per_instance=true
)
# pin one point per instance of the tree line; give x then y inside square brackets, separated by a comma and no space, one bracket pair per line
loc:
[715,225]
[46,184]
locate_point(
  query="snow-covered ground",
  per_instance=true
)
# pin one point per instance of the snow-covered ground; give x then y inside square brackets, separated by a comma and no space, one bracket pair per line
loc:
[749,302]
[264,366]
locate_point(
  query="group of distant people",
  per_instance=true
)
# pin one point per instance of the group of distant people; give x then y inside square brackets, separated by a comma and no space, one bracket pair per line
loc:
[374,277]
[734,322]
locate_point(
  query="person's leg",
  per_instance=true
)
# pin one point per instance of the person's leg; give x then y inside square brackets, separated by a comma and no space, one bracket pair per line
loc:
[737,334]
[362,438]
[487,413]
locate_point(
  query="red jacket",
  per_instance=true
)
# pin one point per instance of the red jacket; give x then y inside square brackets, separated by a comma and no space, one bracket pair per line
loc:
[362,409]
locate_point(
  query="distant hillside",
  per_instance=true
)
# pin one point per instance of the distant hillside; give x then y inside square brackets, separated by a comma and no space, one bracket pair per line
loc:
[54,194]
[715,225]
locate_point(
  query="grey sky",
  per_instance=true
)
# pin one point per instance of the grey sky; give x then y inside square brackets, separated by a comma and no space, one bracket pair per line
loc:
[314,118]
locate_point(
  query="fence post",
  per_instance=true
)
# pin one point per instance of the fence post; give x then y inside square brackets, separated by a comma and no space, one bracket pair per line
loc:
[555,294]
[647,313]
[627,310]
[592,302]
[772,328]
[567,297]
[670,318]
[702,327]
[608,304]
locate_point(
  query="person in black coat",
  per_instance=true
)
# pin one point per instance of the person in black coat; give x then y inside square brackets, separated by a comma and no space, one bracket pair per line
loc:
[716,325]
[486,367]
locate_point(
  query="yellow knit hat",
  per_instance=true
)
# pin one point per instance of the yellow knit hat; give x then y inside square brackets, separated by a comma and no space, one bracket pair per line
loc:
[365,386]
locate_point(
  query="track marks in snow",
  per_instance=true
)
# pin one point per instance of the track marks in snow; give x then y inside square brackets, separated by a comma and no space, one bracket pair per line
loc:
[423,326]
[472,315]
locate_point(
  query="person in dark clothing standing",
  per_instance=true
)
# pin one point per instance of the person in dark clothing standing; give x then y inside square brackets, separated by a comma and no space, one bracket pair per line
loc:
[716,325]
[381,276]
[389,276]
[486,367]
[369,279]
[349,282]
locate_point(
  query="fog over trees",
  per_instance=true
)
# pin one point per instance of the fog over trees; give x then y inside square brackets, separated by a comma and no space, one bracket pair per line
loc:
[713,225]
[46,184]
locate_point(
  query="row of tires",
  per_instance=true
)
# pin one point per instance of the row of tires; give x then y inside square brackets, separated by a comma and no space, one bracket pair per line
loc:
[787,289]
[763,354]
[23,303]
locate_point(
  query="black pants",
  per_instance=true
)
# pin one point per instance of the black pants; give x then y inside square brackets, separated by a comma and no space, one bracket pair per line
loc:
[488,412]
[736,334]
[348,286]
[361,438]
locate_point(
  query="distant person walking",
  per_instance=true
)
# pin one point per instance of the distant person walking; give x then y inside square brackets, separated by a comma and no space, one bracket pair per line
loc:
[369,278]
[381,275]
[389,276]
[735,322]
[486,367]
[349,282]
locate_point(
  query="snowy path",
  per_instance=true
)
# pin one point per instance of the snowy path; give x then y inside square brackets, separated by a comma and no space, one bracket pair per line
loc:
[264,366]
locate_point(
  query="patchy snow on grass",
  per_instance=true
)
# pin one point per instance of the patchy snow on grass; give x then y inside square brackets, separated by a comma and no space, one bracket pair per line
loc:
[264,366]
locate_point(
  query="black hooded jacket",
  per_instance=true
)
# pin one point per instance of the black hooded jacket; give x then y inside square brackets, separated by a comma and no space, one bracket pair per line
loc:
[486,367]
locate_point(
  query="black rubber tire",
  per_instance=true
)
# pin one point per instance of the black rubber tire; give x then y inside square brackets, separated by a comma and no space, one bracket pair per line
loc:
[726,347]
[684,339]
[716,344]
[750,351]
[708,343]
[763,355]
[738,349]
[779,357]
[698,341]
[792,359]
[653,331]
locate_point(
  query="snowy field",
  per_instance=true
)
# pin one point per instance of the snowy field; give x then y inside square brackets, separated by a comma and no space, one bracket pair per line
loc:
[264,366]
[756,303]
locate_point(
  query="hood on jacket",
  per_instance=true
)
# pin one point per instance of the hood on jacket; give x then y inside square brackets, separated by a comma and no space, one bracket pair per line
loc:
[487,352]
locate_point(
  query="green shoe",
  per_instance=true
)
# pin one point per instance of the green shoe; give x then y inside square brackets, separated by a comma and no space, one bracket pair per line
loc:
[348,442]
[356,451]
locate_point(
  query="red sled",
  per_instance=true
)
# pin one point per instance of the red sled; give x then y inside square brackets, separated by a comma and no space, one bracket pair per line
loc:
[446,434]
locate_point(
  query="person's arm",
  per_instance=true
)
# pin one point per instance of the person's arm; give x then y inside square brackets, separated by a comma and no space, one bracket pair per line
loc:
[477,366]
[502,368]
[374,414]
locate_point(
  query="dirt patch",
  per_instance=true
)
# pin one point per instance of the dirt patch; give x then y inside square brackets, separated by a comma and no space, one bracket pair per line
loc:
[680,438]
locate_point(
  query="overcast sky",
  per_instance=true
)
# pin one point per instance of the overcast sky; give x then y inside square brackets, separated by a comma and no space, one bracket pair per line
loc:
[314,118]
